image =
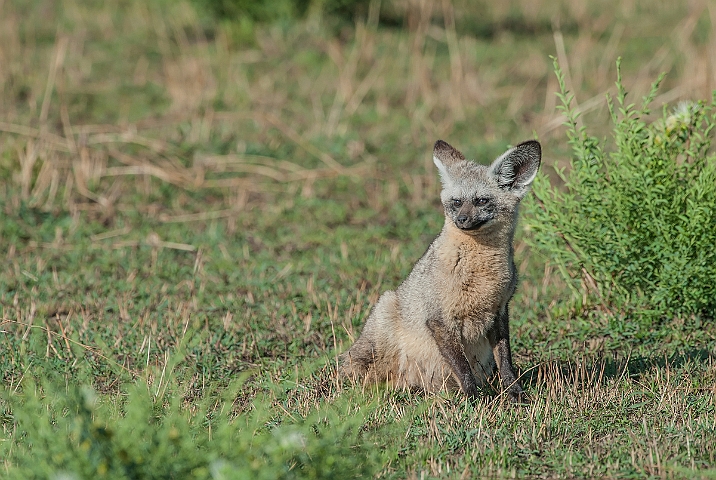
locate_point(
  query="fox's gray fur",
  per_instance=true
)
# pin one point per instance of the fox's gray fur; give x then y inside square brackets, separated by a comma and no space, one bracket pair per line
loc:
[446,325]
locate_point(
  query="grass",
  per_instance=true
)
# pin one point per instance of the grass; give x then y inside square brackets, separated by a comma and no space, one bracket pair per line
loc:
[193,226]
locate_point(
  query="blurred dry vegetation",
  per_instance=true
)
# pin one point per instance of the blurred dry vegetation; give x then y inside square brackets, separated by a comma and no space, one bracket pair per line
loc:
[97,97]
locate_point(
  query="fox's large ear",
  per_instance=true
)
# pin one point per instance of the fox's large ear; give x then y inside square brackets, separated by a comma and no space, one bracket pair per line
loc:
[517,167]
[444,155]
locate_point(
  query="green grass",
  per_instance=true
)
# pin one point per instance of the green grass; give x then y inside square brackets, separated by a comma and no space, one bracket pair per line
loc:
[192,227]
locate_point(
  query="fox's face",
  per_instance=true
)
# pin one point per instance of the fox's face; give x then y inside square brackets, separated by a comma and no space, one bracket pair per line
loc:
[477,198]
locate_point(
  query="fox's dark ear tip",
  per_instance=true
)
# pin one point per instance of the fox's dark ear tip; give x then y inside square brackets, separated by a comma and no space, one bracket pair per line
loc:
[446,153]
[531,144]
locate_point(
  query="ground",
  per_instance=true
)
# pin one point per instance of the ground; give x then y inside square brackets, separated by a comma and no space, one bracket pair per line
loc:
[201,215]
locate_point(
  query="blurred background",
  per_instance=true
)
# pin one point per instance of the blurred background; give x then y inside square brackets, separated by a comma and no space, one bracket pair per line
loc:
[245,98]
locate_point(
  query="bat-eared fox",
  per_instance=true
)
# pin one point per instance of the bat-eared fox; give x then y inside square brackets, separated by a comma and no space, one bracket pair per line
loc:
[447,325]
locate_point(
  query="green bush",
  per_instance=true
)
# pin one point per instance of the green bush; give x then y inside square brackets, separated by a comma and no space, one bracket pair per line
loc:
[268,11]
[636,216]
[252,10]
[77,434]
[238,19]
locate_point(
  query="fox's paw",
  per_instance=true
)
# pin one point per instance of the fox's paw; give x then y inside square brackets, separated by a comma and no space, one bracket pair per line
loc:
[517,396]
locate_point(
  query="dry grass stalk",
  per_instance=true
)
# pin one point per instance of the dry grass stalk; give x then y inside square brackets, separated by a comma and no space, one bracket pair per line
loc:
[58,59]
[457,74]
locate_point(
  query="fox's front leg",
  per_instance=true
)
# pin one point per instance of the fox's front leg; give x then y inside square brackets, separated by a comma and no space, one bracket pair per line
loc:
[450,346]
[499,337]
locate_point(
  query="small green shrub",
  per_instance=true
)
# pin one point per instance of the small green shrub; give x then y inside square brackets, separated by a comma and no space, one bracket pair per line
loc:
[74,433]
[636,216]
[238,19]
[253,10]
[268,11]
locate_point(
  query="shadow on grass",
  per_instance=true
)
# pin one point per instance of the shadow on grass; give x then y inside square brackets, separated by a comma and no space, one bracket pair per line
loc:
[599,369]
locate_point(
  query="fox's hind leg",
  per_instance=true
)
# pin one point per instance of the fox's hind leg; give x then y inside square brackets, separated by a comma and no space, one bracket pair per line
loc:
[358,360]
[371,356]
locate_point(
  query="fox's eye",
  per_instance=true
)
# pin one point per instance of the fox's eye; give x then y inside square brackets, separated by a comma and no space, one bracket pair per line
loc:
[481,201]
[456,203]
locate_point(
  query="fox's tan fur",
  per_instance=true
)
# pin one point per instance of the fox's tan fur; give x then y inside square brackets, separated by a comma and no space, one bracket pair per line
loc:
[446,325]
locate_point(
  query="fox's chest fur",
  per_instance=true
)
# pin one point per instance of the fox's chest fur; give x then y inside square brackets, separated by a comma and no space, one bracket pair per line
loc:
[474,280]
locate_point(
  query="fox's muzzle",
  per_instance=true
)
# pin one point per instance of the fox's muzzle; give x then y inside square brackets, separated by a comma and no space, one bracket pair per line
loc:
[463,222]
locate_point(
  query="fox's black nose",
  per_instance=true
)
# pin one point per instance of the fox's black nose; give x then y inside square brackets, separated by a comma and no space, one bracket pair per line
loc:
[462,219]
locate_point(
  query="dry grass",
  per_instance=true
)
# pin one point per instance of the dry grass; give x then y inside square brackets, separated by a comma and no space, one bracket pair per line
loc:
[377,71]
